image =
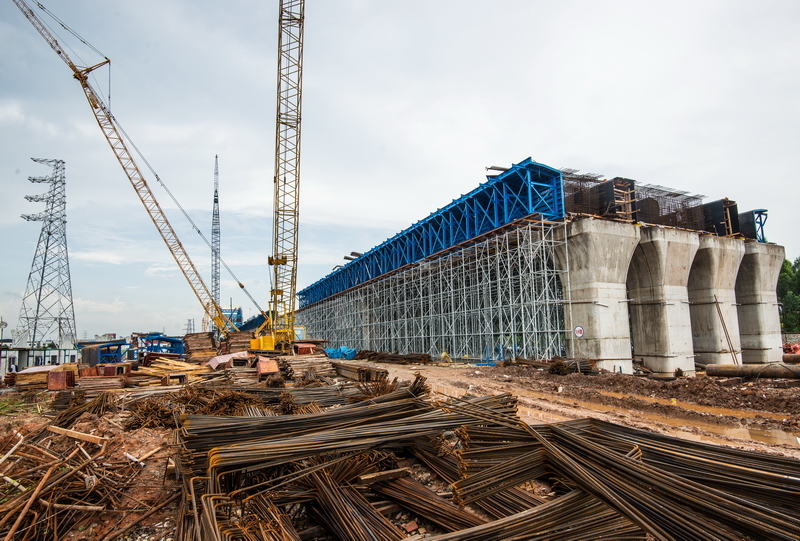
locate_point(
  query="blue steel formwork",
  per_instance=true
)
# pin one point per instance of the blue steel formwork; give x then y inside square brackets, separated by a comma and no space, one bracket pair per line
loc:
[480,278]
[526,189]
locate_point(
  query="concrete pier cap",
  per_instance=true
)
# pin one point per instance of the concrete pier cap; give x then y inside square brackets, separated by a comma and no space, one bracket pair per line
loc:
[661,330]
[757,299]
[598,253]
[714,314]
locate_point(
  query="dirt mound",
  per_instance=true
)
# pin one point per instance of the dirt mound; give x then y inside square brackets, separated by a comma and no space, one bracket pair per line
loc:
[762,395]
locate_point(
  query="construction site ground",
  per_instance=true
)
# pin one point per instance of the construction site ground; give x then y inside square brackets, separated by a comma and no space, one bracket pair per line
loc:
[755,415]
[758,415]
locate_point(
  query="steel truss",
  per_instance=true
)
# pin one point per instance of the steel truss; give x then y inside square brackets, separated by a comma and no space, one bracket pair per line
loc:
[526,188]
[47,311]
[495,299]
[287,164]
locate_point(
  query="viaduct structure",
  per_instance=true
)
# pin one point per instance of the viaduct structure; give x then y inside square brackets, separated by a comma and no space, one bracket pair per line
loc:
[539,262]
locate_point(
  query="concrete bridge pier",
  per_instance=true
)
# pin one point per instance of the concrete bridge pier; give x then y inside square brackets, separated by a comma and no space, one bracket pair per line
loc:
[661,328]
[599,253]
[712,280]
[759,320]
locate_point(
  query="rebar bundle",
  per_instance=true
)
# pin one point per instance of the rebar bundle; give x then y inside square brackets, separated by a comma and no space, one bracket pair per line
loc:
[327,471]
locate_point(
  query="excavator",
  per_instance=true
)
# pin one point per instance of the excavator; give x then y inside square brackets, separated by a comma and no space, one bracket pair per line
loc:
[276,332]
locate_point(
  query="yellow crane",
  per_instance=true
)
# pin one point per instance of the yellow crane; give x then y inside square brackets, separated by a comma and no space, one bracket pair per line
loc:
[112,134]
[286,178]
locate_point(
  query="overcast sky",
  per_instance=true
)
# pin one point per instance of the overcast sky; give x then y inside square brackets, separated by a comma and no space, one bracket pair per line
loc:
[405,103]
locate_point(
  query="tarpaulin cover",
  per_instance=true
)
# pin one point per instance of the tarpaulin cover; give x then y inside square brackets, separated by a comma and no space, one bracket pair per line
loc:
[341,353]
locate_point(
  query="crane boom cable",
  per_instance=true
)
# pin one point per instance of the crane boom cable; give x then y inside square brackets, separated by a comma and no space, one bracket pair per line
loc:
[183,211]
[130,141]
[68,29]
[111,132]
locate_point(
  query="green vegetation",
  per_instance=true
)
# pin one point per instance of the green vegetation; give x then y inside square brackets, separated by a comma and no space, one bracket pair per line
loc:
[10,406]
[789,296]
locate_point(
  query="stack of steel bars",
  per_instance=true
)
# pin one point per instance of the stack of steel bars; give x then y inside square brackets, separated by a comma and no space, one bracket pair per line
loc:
[265,478]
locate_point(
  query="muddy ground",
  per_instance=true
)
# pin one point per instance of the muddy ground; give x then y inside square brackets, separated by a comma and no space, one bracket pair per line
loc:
[759,415]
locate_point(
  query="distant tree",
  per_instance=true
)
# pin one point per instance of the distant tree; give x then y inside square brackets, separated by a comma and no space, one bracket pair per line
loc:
[789,296]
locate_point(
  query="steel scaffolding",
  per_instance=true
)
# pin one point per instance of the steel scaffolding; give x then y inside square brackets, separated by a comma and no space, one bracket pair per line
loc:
[525,189]
[494,299]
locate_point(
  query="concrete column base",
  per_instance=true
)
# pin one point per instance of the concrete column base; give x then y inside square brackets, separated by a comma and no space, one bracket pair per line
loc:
[598,254]
[759,319]
[715,320]
[659,302]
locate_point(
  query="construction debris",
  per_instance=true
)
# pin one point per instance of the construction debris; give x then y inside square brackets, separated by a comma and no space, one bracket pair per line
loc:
[66,481]
[393,358]
[559,365]
[369,459]
[200,347]
[358,372]
[239,341]
[294,367]
[36,378]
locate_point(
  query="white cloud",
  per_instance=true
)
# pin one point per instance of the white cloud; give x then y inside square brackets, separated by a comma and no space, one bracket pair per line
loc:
[89,308]
[696,96]
[161,270]
[109,258]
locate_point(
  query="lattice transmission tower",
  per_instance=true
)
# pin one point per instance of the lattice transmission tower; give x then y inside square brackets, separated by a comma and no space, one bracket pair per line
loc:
[47,311]
[215,236]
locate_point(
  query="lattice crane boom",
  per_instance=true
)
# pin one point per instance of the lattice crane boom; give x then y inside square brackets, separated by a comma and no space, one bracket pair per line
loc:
[287,167]
[112,134]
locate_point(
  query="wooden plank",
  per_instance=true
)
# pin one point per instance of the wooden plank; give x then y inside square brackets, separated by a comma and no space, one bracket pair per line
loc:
[99,440]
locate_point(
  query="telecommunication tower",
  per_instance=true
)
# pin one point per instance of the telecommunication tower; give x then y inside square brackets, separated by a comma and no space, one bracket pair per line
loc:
[215,236]
[47,311]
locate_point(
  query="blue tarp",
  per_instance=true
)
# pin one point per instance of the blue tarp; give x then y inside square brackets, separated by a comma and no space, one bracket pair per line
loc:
[341,353]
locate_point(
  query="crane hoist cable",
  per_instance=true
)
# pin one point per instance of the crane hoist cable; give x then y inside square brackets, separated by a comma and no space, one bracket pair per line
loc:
[117,138]
[183,211]
[80,38]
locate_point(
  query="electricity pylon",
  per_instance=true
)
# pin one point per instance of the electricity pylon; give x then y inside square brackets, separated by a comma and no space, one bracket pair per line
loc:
[47,312]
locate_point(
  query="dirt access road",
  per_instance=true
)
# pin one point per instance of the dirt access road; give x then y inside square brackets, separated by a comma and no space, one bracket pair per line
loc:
[755,415]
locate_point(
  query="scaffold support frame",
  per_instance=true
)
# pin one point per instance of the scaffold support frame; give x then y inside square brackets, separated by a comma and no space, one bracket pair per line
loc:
[495,299]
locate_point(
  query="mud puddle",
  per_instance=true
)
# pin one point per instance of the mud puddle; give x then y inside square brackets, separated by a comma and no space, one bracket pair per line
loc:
[686,426]
[696,407]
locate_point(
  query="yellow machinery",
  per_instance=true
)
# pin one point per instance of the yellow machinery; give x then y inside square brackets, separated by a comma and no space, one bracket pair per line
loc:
[287,178]
[112,134]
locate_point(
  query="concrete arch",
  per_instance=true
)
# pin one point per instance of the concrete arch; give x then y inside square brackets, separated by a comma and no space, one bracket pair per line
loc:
[711,288]
[658,299]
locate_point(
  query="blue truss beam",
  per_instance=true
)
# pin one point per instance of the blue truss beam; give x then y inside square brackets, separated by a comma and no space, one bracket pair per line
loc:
[527,188]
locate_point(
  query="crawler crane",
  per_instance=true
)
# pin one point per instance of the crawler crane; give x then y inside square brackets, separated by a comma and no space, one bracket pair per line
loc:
[113,135]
